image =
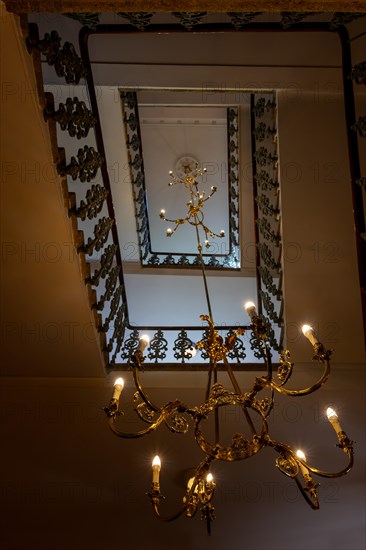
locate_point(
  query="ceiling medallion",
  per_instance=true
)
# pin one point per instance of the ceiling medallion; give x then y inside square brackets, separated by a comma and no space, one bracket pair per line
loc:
[256,403]
[185,166]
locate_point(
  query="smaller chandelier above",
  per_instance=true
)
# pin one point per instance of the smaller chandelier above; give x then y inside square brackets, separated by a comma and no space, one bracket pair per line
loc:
[194,216]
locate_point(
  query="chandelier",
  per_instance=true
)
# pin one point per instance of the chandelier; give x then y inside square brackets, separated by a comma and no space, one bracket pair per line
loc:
[253,404]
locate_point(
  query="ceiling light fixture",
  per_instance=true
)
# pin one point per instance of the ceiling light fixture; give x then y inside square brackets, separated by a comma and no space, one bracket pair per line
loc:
[256,407]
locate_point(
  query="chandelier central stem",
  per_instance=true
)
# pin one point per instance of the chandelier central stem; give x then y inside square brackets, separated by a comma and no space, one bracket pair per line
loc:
[199,248]
[238,391]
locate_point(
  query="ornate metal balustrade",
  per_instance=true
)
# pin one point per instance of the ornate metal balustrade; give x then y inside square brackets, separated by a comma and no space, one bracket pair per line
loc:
[354,76]
[267,213]
[237,20]
[89,199]
[358,75]
[149,257]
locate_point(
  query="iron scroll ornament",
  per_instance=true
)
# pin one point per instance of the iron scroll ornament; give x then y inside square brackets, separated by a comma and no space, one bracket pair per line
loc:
[357,73]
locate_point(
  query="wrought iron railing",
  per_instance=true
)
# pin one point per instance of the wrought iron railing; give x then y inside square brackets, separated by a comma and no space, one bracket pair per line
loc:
[219,260]
[358,131]
[267,214]
[92,212]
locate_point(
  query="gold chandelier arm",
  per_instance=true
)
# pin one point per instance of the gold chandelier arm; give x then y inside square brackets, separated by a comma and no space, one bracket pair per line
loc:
[334,474]
[199,492]
[340,473]
[165,412]
[270,405]
[288,455]
[116,431]
[305,391]
[171,517]
[141,392]
[213,191]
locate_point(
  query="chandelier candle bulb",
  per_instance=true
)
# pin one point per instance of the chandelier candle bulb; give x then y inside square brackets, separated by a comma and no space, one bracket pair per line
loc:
[143,342]
[118,387]
[304,470]
[309,333]
[250,309]
[169,232]
[333,419]
[209,480]
[156,467]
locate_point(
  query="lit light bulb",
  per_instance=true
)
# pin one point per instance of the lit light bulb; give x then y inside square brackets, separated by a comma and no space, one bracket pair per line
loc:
[207,243]
[169,232]
[162,213]
[170,172]
[156,467]
[213,189]
[156,463]
[333,419]
[250,309]
[209,479]
[191,351]
[222,233]
[331,414]
[143,342]
[118,387]
[301,455]
[303,468]
[309,333]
